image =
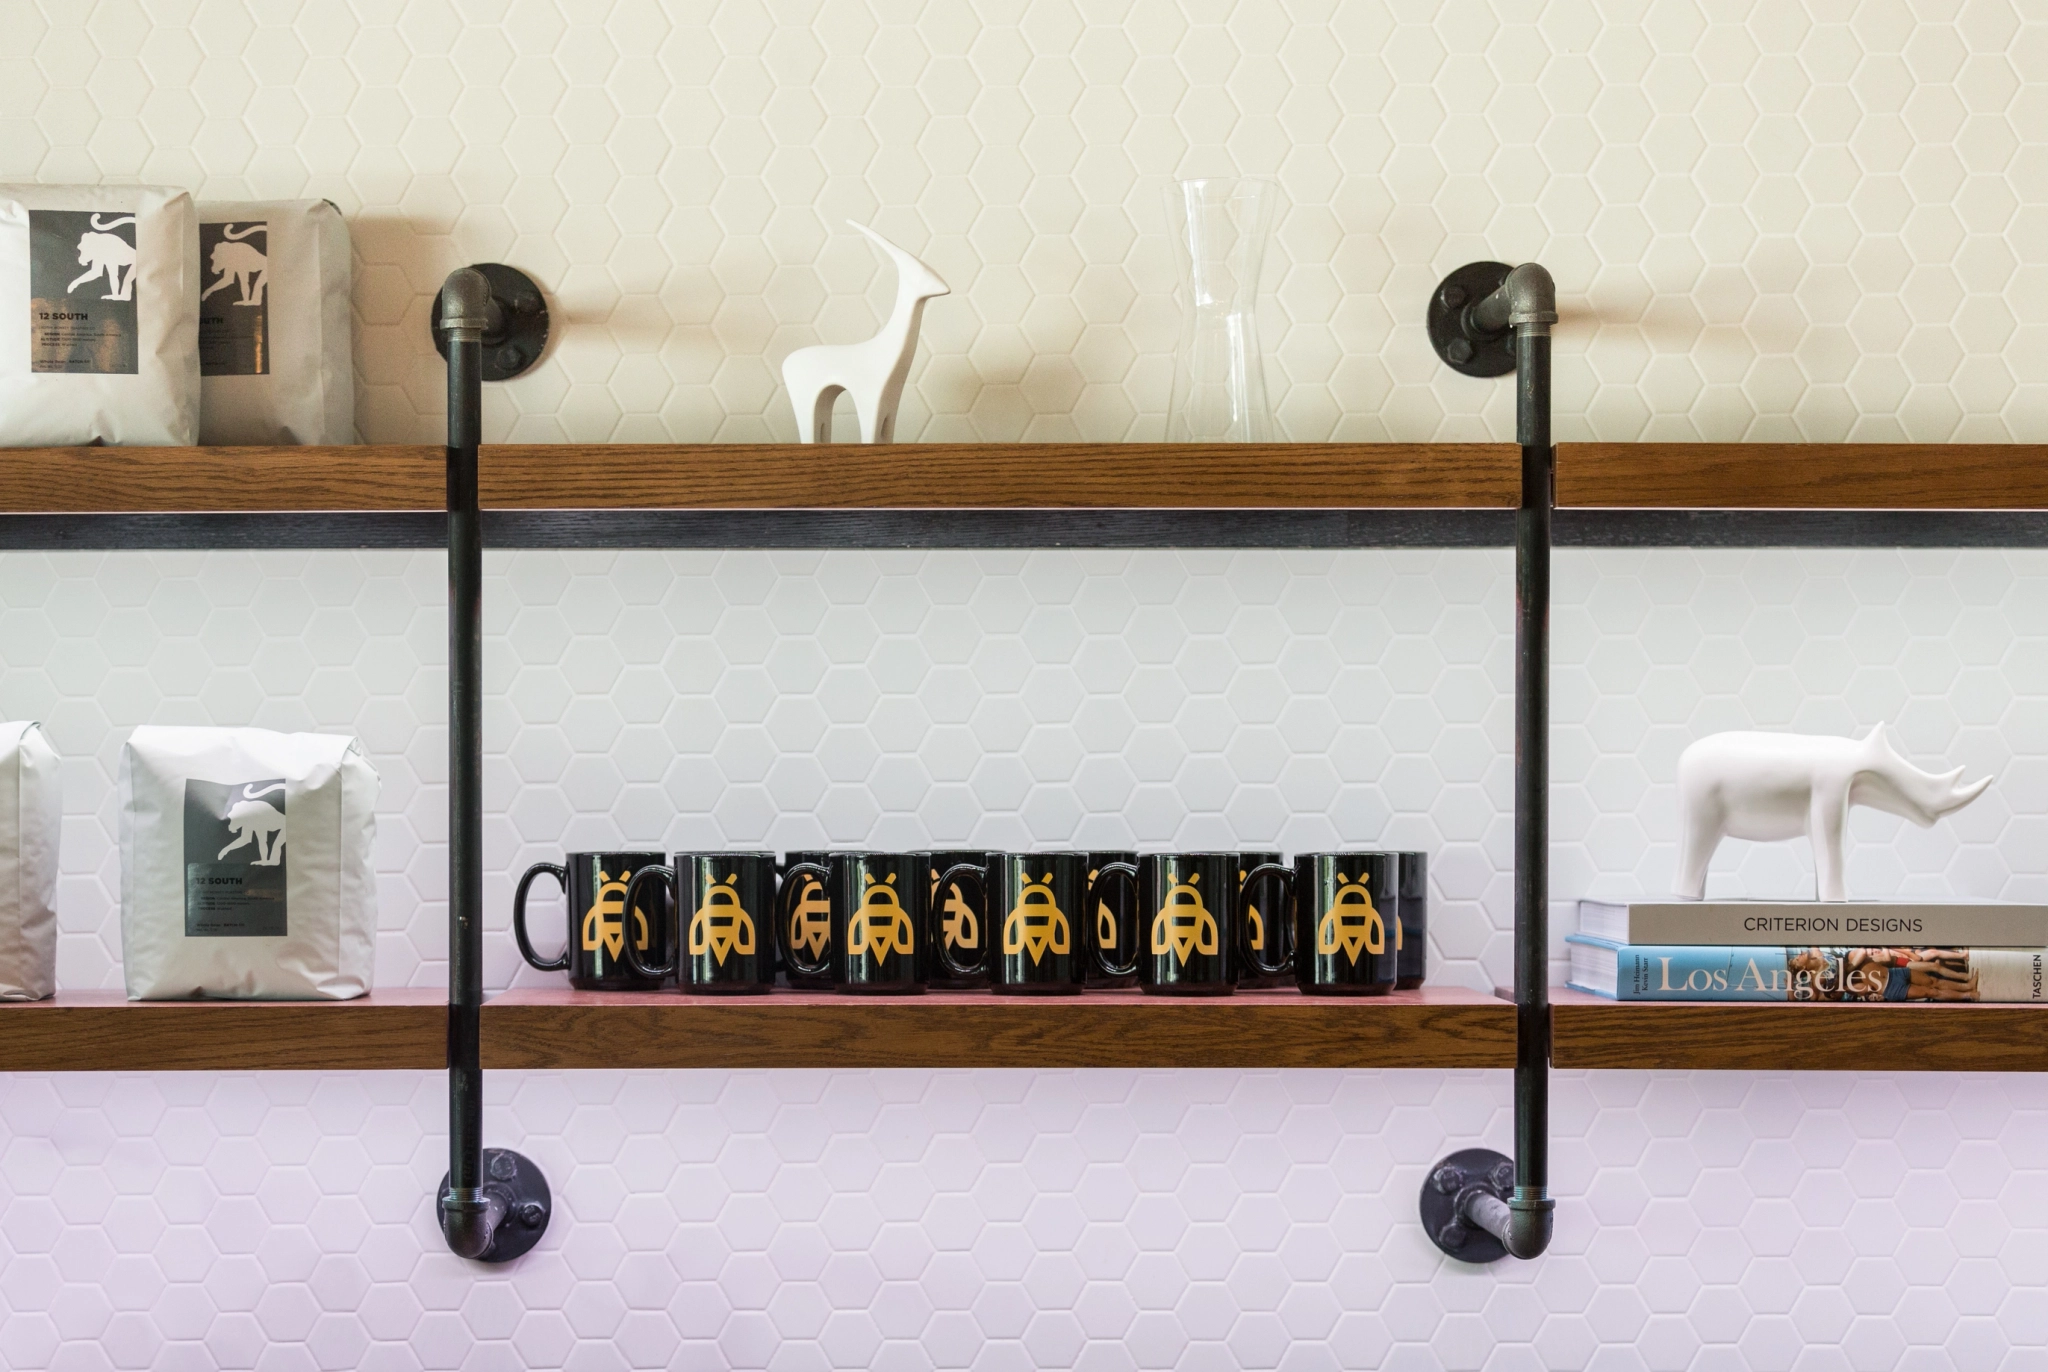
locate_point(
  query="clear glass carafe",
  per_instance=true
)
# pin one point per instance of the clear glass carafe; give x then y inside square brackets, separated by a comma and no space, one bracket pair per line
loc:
[1219,375]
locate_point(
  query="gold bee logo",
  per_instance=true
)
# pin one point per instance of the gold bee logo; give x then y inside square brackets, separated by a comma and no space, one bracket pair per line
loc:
[604,923]
[1105,919]
[881,926]
[1037,925]
[721,926]
[1184,925]
[1351,924]
[958,926]
[810,923]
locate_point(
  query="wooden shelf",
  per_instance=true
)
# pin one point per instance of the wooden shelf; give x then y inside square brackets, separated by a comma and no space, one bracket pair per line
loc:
[100,1031]
[731,476]
[1588,1031]
[1432,1027]
[1803,476]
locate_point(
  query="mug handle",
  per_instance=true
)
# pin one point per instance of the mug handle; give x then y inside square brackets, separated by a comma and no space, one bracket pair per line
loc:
[793,882]
[533,959]
[628,952]
[1126,937]
[1271,872]
[965,871]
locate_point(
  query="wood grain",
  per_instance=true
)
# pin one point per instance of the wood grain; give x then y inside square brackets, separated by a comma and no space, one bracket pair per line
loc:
[148,480]
[99,1031]
[769,476]
[1803,476]
[1433,1027]
[1004,476]
[1588,1031]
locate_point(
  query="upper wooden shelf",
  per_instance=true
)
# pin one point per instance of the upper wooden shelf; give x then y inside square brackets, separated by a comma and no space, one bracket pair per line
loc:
[101,1031]
[1803,476]
[1043,476]
[1588,1031]
[1432,1027]
[731,476]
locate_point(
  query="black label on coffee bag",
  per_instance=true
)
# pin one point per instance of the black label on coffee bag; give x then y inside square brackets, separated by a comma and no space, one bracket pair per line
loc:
[234,859]
[81,276]
[234,304]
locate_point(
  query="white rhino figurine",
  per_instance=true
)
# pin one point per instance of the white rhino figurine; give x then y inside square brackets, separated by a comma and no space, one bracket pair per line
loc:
[1773,786]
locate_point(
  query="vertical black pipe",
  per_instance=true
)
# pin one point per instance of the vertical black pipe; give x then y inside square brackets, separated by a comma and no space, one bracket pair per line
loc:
[1532,764]
[465,767]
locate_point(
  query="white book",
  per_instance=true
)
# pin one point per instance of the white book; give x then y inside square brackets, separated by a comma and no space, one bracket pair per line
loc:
[1847,923]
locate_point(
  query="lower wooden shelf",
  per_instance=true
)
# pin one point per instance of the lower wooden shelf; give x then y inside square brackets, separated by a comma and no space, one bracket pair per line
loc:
[101,1031]
[1588,1031]
[1432,1027]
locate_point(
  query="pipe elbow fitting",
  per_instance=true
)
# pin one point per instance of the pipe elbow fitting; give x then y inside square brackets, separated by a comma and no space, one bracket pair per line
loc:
[466,305]
[470,1220]
[1527,1231]
[1526,300]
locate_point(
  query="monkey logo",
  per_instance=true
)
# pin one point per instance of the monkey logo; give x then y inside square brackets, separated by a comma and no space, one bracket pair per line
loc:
[1184,926]
[881,926]
[240,264]
[721,924]
[253,820]
[604,923]
[107,255]
[810,924]
[1351,925]
[1037,925]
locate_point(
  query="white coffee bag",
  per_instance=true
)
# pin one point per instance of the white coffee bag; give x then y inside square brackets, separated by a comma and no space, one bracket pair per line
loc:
[31,815]
[245,865]
[274,355]
[99,316]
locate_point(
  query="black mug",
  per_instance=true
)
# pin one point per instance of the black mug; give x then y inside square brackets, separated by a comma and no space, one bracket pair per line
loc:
[724,949]
[1037,905]
[805,917]
[1346,919]
[1412,933]
[601,920]
[1188,908]
[958,923]
[876,905]
[1268,935]
[1111,925]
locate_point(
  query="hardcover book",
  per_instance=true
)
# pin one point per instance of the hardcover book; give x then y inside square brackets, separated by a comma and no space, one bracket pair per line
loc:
[1778,923]
[1806,973]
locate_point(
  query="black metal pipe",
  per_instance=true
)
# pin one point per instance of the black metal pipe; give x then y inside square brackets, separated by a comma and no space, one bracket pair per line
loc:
[1477,1191]
[1526,1231]
[470,1213]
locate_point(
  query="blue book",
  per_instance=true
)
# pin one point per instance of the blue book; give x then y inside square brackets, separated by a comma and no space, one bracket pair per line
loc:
[1624,971]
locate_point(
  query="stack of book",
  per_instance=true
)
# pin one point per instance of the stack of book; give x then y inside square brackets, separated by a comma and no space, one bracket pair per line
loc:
[1810,951]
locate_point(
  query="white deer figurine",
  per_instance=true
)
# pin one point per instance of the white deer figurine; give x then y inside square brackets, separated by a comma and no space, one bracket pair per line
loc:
[1773,786]
[872,372]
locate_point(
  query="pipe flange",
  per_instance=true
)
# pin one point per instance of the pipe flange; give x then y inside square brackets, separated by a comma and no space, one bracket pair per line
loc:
[1450,1187]
[1457,338]
[516,1181]
[522,333]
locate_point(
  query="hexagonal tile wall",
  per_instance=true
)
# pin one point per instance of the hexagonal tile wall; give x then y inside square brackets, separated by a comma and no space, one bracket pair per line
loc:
[1058,1219]
[1797,220]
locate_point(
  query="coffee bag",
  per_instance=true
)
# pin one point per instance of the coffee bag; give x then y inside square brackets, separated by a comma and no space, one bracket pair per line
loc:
[274,355]
[245,865]
[99,311]
[31,814]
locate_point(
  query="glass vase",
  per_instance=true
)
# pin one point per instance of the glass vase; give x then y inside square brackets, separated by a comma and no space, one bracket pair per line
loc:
[1219,375]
